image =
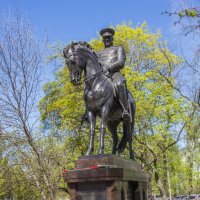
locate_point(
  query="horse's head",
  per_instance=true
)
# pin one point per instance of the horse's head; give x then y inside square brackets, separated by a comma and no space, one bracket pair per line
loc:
[74,62]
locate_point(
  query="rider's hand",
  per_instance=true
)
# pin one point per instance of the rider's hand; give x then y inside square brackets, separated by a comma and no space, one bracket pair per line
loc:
[106,73]
[106,68]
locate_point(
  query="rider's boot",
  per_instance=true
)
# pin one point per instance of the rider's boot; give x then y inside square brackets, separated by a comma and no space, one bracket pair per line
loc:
[124,102]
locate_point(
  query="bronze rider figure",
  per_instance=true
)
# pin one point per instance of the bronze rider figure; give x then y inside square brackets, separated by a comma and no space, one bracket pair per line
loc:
[112,59]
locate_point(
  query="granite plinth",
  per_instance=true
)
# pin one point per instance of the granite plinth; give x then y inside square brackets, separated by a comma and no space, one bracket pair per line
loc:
[107,177]
[109,159]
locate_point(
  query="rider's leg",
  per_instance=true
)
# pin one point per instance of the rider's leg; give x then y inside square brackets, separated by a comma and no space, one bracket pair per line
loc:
[119,81]
[124,101]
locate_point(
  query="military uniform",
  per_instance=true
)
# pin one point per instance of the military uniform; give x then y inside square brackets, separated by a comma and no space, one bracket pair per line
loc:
[112,59]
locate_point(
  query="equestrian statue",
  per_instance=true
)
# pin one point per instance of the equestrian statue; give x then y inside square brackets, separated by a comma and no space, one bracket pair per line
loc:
[105,91]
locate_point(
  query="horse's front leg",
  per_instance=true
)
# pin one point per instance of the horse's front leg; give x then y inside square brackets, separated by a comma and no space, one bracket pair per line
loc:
[92,123]
[104,116]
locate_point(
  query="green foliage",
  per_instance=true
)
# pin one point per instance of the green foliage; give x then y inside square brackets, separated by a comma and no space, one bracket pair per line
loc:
[15,184]
[160,110]
[188,13]
[180,14]
[62,105]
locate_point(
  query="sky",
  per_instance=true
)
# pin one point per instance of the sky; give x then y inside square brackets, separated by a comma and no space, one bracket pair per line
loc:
[68,20]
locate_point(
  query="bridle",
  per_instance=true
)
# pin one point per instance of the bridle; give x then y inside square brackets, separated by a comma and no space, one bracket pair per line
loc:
[87,79]
[90,78]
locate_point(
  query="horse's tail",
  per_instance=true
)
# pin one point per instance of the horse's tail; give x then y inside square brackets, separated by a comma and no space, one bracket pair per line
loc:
[124,140]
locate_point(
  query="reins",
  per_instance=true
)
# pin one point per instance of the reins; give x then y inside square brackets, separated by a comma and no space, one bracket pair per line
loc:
[89,78]
[93,76]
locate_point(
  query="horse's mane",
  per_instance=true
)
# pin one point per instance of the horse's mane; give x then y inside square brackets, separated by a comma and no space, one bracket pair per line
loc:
[73,46]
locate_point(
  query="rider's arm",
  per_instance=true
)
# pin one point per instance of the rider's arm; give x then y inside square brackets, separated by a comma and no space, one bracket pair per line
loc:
[120,62]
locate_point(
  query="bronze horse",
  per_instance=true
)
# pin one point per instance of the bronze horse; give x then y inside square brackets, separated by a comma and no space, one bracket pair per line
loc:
[100,97]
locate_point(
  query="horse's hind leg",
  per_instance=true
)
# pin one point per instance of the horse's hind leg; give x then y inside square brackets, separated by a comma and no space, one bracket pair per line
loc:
[92,123]
[130,140]
[112,127]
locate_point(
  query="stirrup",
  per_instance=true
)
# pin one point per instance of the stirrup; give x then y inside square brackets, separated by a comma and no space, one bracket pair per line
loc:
[126,115]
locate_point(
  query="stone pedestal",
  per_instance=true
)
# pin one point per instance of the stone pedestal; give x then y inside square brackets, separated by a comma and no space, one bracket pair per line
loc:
[107,177]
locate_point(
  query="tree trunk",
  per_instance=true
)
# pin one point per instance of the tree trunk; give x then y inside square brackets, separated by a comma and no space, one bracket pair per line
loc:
[159,183]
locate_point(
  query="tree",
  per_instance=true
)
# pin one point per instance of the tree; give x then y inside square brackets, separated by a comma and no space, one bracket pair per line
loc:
[192,154]
[187,17]
[21,56]
[161,111]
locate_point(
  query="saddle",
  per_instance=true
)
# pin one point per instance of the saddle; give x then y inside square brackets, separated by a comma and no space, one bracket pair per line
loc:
[115,89]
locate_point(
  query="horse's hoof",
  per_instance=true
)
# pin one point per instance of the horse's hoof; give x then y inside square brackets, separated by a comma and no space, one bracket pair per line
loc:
[114,152]
[132,157]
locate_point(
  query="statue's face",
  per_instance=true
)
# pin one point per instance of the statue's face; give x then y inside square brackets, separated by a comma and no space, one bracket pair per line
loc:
[75,71]
[108,41]
[75,66]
